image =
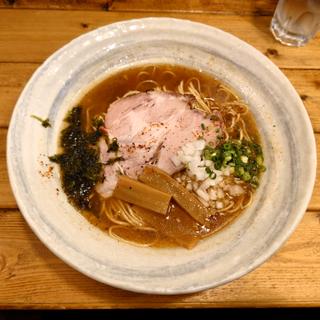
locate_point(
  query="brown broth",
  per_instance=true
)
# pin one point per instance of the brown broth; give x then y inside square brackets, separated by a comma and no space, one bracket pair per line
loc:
[97,100]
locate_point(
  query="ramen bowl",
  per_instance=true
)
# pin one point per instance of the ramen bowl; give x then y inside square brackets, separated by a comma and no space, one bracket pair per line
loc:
[285,129]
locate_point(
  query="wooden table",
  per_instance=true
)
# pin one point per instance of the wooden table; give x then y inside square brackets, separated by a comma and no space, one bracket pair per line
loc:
[30,275]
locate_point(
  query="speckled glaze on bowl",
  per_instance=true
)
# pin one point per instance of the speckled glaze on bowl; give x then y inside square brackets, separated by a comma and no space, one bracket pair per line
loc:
[285,128]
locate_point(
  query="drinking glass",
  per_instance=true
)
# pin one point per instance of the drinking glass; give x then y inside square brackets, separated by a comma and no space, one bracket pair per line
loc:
[295,22]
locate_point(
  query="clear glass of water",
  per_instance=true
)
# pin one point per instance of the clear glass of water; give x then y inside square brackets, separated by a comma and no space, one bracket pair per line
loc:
[295,22]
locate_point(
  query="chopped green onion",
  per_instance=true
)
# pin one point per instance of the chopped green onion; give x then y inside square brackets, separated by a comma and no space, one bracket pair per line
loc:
[259,160]
[240,171]
[227,146]
[211,173]
[246,176]
[208,153]
[244,158]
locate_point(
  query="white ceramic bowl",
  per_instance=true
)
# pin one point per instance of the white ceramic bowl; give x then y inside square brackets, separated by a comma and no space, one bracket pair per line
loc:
[285,128]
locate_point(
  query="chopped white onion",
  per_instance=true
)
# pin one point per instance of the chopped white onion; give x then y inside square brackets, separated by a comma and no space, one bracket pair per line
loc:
[219,205]
[212,194]
[202,194]
[199,144]
[219,179]
[235,190]
[220,194]
[195,185]
[201,176]
[189,186]
[208,183]
[226,171]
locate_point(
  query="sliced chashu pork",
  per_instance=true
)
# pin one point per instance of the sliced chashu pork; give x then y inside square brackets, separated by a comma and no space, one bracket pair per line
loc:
[150,128]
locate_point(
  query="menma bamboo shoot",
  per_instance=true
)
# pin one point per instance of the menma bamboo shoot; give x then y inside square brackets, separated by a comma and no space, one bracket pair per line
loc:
[160,180]
[142,195]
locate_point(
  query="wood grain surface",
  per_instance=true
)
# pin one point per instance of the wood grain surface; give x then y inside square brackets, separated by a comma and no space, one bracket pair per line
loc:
[240,7]
[30,275]
[23,41]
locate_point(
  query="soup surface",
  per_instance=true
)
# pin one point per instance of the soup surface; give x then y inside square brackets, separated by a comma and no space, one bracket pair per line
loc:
[169,155]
